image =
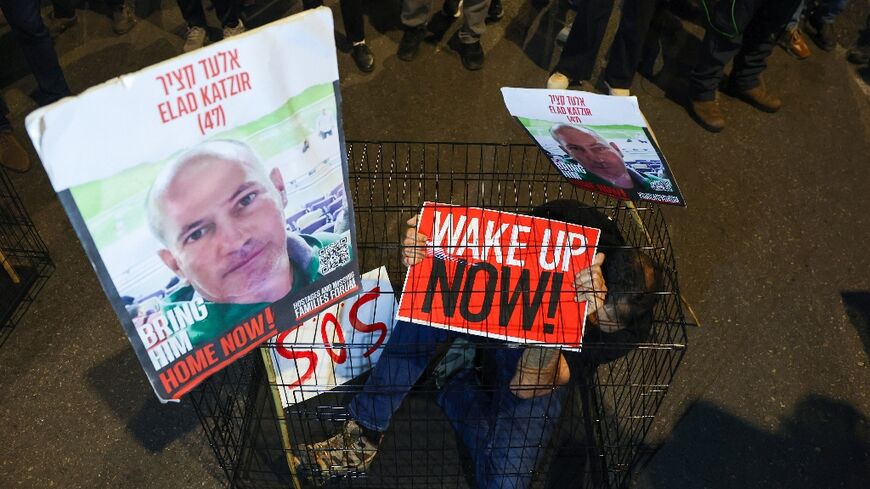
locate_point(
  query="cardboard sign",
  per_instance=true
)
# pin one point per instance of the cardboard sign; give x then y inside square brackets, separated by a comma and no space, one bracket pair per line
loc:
[499,275]
[210,193]
[338,345]
[597,142]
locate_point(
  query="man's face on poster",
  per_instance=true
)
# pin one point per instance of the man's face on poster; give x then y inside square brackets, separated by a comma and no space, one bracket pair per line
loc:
[223,227]
[597,156]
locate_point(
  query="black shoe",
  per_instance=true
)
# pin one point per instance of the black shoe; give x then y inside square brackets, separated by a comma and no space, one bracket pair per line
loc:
[409,46]
[472,56]
[452,8]
[824,35]
[363,57]
[496,11]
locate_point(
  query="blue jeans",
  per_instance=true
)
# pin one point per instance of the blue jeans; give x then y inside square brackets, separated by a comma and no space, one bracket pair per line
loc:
[828,12]
[504,434]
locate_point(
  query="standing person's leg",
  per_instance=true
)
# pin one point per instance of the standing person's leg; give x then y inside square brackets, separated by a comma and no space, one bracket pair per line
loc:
[415,15]
[578,56]
[628,44]
[354,29]
[745,79]
[63,16]
[33,37]
[473,27]
[721,43]
[792,40]
[194,15]
[228,13]
[822,21]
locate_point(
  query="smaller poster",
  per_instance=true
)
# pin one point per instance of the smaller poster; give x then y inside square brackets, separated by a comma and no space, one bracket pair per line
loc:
[499,275]
[599,143]
[336,346]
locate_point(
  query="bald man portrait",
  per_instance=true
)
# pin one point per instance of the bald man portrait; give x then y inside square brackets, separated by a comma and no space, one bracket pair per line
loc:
[220,218]
[602,161]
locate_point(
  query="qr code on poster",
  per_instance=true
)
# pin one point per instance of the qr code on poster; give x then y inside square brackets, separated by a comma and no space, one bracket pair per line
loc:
[334,255]
[661,185]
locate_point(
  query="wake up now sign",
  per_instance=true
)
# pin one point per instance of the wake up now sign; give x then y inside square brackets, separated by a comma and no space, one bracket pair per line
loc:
[499,275]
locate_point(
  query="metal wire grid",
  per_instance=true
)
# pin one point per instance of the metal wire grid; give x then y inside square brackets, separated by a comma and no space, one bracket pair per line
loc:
[24,261]
[608,416]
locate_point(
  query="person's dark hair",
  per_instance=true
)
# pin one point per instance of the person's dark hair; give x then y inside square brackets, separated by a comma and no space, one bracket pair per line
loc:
[632,278]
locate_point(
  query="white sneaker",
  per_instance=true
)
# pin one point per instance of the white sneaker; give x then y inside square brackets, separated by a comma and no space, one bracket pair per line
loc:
[562,36]
[617,92]
[558,81]
[234,31]
[196,38]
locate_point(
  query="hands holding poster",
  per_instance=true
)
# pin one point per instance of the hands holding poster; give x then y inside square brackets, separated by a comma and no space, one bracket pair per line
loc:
[210,196]
[336,346]
[498,274]
[599,143]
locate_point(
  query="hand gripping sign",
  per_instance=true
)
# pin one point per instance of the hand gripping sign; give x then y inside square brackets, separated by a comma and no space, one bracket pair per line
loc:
[499,275]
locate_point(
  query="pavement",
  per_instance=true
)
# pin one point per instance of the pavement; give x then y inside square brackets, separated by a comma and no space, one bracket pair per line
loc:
[774,391]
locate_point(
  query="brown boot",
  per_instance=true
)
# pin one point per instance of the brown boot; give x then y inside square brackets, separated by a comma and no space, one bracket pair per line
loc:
[794,44]
[12,153]
[538,371]
[759,98]
[708,114]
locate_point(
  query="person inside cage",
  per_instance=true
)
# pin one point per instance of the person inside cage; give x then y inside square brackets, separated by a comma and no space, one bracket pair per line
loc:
[505,409]
[221,221]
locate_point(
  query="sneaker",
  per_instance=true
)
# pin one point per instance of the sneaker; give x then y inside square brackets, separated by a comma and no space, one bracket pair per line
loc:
[452,8]
[347,452]
[59,25]
[196,38]
[123,20]
[558,81]
[617,92]
[539,370]
[363,57]
[12,153]
[495,12]
[409,46]
[234,31]
[472,56]
[708,114]
[562,36]
[794,44]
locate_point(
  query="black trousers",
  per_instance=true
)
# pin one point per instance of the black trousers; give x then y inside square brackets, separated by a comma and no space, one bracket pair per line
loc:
[748,38]
[351,16]
[581,47]
[32,35]
[67,8]
[636,40]
[227,11]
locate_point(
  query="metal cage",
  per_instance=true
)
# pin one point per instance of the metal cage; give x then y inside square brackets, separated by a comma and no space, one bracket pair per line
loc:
[24,261]
[598,437]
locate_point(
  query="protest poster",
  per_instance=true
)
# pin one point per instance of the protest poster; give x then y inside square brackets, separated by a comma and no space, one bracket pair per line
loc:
[597,142]
[499,275]
[336,346]
[210,193]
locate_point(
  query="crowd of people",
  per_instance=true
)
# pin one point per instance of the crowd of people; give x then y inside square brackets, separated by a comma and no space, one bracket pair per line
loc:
[744,32]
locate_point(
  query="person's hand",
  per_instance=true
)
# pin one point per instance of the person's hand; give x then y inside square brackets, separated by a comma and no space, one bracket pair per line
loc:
[413,244]
[590,285]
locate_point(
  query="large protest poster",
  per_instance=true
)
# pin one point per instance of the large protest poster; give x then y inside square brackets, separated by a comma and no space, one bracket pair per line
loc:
[499,275]
[336,346]
[210,193]
[599,143]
